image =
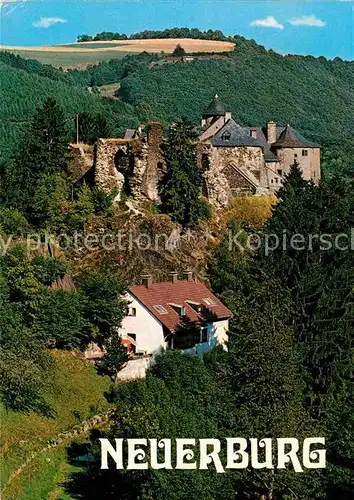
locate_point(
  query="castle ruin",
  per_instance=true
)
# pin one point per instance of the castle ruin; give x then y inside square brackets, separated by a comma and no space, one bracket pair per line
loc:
[235,160]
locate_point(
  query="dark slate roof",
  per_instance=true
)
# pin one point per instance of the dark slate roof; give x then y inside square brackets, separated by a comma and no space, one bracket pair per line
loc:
[215,108]
[238,136]
[130,133]
[291,138]
[261,138]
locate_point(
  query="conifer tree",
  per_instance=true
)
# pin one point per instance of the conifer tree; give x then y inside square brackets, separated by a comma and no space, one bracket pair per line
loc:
[319,273]
[181,186]
[44,150]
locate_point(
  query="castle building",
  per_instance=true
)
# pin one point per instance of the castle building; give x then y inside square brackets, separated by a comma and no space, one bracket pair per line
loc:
[235,160]
[250,160]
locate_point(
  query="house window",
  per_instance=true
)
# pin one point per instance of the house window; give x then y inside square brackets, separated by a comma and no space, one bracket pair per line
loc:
[226,136]
[160,165]
[280,172]
[195,306]
[305,152]
[132,311]
[276,180]
[186,337]
[209,301]
[132,347]
[271,180]
[160,309]
[295,155]
[204,335]
[180,310]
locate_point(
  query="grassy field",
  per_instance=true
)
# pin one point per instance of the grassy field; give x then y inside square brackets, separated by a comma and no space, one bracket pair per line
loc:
[76,393]
[43,479]
[109,90]
[69,59]
[80,55]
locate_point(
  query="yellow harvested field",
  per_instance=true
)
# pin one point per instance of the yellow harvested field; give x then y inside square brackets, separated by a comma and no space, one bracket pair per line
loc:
[148,45]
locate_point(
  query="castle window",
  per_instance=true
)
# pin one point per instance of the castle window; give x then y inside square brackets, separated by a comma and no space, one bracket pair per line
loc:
[226,136]
[205,161]
[121,161]
[280,172]
[276,180]
[271,180]
[305,152]
[160,165]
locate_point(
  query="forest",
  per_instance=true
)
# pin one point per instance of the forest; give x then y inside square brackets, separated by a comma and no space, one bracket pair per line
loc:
[288,369]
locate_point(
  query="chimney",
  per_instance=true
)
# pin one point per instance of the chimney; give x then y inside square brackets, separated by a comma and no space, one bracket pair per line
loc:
[188,275]
[173,277]
[271,132]
[146,280]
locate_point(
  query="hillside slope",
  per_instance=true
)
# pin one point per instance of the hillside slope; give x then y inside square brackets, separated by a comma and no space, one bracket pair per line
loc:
[23,91]
[80,55]
[314,95]
[75,393]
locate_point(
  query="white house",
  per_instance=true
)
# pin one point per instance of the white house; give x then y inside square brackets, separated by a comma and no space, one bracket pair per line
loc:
[175,314]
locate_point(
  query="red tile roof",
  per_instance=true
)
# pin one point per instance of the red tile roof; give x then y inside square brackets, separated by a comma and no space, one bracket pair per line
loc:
[180,292]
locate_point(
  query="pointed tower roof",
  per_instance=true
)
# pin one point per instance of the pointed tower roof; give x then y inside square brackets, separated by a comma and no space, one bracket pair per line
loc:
[215,108]
[291,138]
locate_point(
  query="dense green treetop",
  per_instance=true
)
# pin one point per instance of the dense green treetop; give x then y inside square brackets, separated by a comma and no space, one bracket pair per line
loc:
[167,33]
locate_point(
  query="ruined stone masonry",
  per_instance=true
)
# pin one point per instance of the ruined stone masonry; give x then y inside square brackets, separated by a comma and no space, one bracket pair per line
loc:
[235,160]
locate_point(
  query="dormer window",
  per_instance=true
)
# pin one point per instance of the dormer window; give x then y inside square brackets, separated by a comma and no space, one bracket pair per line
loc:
[180,310]
[209,301]
[226,136]
[253,133]
[195,306]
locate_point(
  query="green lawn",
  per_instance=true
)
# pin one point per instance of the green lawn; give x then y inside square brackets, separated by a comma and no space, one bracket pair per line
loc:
[43,479]
[77,393]
[109,90]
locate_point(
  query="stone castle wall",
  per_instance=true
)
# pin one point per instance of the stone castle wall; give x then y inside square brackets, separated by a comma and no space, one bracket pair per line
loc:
[309,164]
[229,171]
[133,165]
[136,166]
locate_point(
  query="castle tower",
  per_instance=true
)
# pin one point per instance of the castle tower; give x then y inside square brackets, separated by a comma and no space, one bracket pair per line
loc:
[213,112]
[292,147]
